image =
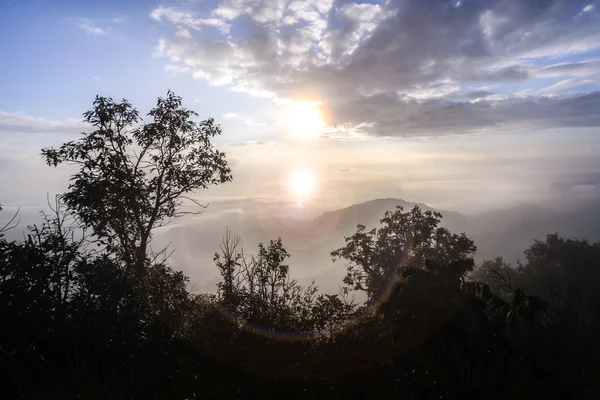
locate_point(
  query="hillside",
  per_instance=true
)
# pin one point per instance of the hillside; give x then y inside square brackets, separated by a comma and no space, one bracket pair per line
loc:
[506,233]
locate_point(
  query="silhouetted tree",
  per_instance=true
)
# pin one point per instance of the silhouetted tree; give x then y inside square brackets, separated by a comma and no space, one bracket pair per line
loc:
[67,307]
[562,271]
[10,224]
[133,178]
[75,325]
[405,240]
[258,289]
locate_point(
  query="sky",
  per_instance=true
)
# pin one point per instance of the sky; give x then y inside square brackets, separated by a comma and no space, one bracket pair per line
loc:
[464,105]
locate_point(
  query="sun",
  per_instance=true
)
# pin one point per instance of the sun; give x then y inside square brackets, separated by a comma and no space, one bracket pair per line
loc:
[304,119]
[302,184]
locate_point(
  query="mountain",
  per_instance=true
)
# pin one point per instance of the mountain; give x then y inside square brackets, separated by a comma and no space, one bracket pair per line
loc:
[506,233]
[510,231]
[369,213]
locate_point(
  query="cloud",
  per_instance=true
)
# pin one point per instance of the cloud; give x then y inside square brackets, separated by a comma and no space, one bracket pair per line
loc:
[580,184]
[256,143]
[187,19]
[397,116]
[245,120]
[119,20]
[90,27]
[22,123]
[175,70]
[262,11]
[583,68]
[567,84]
[478,94]
[390,66]
[231,116]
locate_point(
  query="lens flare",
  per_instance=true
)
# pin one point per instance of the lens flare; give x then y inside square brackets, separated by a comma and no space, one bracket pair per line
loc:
[302,184]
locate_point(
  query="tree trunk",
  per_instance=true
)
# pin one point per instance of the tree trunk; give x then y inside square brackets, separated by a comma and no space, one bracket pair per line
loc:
[140,260]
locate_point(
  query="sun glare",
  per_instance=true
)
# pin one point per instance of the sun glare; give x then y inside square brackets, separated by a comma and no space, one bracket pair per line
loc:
[304,119]
[302,184]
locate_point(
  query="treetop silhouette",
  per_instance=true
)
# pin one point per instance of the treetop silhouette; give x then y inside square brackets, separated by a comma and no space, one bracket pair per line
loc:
[133,178]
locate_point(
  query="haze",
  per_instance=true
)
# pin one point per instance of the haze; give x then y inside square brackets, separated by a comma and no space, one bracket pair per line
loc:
[461,105]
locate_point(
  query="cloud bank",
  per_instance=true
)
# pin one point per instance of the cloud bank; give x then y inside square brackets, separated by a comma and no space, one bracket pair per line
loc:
[91,28]
[15,123]
[401,68]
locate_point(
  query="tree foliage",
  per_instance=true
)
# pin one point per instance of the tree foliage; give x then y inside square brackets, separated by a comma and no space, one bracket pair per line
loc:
[133,178]
[75,325]
[10,224]
[258,289]
[69,309]
[562,271]
[411,239]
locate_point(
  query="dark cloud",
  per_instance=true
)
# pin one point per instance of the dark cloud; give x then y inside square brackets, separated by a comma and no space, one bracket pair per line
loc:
[397,116]
[393,64]
[477,94]
[584,179]
[579,184]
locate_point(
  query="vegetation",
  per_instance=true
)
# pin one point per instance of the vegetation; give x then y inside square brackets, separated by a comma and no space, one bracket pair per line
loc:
[89,311]
[133,179]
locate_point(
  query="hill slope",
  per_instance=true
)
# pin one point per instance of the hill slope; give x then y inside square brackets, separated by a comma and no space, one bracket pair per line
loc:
[504,233]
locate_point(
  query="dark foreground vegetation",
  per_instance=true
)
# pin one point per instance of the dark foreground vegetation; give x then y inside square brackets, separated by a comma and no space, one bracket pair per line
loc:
[90,311]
